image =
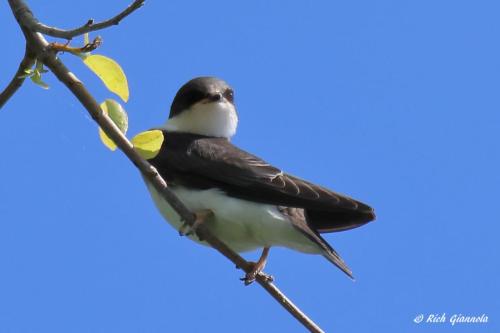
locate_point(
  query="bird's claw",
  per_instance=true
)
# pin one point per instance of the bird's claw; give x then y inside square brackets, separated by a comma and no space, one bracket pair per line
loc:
[257,268]
[250,277]
[200,217]
[186,229]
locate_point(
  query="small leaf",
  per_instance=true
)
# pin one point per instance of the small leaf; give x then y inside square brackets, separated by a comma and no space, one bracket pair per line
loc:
[27,73]
[148,143]
[110,73]
[118,115]
[39,67]
[37,79]
[85,38]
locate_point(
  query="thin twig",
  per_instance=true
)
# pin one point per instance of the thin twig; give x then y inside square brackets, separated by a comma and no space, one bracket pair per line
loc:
[19,77]
[89,47]
[89,26]
[288,304]
[48,56]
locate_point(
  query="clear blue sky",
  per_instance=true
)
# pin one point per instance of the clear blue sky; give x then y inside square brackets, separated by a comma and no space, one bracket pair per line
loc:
[393,102]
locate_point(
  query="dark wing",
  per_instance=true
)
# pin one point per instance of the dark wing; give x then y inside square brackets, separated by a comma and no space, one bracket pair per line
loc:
[201,161]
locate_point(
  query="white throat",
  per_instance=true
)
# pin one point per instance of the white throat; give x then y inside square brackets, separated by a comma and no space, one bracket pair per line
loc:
[217,119]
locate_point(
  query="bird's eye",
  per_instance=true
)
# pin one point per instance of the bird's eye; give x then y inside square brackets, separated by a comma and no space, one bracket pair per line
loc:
[229,95]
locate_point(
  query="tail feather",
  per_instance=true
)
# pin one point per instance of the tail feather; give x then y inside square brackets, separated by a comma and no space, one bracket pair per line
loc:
[299,221]
[333,257]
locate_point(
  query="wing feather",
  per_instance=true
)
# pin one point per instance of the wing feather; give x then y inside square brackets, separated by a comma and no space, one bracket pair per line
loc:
[205,162]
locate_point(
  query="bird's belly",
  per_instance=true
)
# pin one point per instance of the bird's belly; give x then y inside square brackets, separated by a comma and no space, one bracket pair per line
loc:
[243,225]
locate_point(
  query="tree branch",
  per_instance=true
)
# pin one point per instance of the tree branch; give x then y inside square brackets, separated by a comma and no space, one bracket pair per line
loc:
[18,79]
[37,26]
[47,55]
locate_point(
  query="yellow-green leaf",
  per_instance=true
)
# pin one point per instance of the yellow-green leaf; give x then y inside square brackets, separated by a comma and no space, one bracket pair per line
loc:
[37,79]
[28,72]
[110,73]
[148,143]
[118,115]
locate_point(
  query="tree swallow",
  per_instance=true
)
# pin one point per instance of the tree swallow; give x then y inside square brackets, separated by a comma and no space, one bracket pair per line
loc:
[246,202]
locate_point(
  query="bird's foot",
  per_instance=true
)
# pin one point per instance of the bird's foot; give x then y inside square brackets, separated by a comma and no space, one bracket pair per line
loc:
[249,278]
[200,217]
[257,269]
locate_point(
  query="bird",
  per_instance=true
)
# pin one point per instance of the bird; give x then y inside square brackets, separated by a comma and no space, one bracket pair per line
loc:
[246,202]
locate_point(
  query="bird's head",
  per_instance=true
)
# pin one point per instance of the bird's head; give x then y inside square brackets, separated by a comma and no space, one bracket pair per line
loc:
[205,106]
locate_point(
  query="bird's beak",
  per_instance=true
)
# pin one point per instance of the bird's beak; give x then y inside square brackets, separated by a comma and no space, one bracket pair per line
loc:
[215,97]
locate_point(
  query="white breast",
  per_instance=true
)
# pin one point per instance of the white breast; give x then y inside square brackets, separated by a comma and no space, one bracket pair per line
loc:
[242,225]
[217,119]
